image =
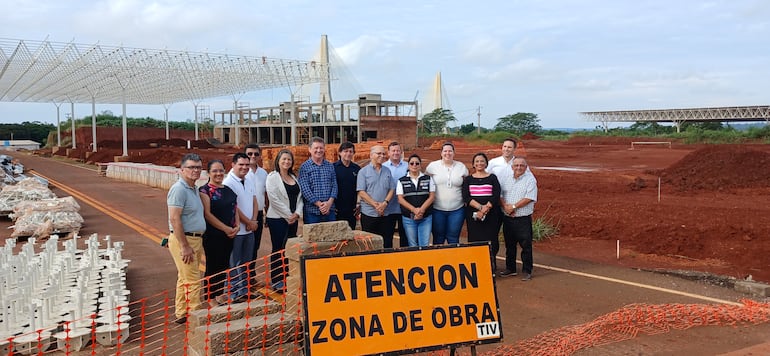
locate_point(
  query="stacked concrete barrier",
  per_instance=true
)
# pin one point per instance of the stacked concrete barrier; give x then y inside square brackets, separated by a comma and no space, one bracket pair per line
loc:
[148,174]
[270,323]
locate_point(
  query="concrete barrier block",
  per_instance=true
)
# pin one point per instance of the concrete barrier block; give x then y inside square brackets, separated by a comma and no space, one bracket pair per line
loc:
[257,334]
[226,312]
[362,241]
[327,231]
[293,296]
[755,289]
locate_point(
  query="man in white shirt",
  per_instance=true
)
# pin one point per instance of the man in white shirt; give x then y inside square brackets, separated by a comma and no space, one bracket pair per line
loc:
[259,176]
[243,244]
[506,158]
[518,188]
[398,168]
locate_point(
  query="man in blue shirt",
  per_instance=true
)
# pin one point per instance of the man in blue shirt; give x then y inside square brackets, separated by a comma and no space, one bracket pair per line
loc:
[346,171]
[187,224]
[398,168]
[318,183]
[376,189]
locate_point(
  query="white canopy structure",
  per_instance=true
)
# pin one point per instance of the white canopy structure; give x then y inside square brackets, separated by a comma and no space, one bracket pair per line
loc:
[56,72]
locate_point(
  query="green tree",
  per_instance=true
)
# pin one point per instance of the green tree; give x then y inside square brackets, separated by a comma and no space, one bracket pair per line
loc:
[651,128]
[467,128]
[703,125]
[36,131]
[435,121]
[519,123]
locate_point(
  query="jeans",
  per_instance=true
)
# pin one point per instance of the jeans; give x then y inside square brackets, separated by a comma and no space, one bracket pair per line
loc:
[518,230]
[399,227]
[417,231]
[314,219]
[243,248]
[280,232]
[447,226]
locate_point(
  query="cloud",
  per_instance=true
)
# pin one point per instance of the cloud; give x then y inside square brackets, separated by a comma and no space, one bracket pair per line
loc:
[483,50]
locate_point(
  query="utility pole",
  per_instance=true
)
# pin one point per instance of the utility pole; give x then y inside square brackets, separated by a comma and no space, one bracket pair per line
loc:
[478,121]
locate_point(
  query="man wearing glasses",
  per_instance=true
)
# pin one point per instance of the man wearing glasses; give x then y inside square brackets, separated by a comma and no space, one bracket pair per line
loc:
[518,195]
[376,189]
[187,224]
[258,175]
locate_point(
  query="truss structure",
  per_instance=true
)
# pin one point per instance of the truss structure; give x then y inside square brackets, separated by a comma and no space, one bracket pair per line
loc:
[45,71]
[735,113]
[678,116]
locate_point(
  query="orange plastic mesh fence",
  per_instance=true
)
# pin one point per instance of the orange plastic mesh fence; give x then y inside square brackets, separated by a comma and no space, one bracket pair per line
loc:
[268,320]
[632,321]
[261,320]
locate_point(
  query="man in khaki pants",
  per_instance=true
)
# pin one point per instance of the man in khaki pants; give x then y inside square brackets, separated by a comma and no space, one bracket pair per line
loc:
[187,224]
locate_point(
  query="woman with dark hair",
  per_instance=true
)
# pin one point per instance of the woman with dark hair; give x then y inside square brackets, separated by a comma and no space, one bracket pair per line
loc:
[481,194]
[415,193]
[448,175]
[222,224]
[283,214]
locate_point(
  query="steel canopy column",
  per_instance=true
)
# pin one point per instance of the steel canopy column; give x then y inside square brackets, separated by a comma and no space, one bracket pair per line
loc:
[93,123]
[58,125]
[293,122]
[125,126]
[165,117]
[72,118]
[236,124]
[195,105]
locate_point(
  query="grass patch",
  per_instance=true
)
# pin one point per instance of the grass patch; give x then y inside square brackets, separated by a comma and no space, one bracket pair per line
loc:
[544,227]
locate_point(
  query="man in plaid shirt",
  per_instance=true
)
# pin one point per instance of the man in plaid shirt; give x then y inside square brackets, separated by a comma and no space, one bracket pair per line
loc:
[318,184]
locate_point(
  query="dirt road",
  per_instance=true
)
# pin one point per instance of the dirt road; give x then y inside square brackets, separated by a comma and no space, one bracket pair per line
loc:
[554,299]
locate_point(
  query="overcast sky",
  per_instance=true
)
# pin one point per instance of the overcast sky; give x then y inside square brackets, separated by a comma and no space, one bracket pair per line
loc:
[553,58]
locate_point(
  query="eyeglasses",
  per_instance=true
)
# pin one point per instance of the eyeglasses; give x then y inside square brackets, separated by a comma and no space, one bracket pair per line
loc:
[194,168]
[414,163]
[250,154]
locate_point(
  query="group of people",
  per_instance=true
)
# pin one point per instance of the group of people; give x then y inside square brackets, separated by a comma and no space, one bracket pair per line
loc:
[223,219]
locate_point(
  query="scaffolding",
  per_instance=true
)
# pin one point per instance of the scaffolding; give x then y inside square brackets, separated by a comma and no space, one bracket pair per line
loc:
[294,122]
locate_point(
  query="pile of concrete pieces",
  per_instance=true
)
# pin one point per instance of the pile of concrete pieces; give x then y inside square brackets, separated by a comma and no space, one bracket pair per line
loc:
[37,212]
[11,170]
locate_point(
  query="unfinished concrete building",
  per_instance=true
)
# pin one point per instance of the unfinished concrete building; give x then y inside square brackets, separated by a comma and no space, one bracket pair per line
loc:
[369,118]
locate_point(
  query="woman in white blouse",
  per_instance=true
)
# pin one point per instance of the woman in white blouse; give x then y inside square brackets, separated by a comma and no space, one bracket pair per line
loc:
[448,207]
[283,214]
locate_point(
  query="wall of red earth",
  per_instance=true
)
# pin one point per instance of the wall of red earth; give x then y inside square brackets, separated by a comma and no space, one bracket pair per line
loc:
[720,168]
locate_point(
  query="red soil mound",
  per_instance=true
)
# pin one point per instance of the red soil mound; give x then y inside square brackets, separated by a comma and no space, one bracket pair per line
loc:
[718,168]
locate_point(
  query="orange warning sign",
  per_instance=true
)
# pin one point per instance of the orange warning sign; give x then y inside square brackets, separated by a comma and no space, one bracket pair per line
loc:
[399,300]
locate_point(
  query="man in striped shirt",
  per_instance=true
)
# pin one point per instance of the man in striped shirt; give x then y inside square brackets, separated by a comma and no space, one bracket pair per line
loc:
[519,194]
